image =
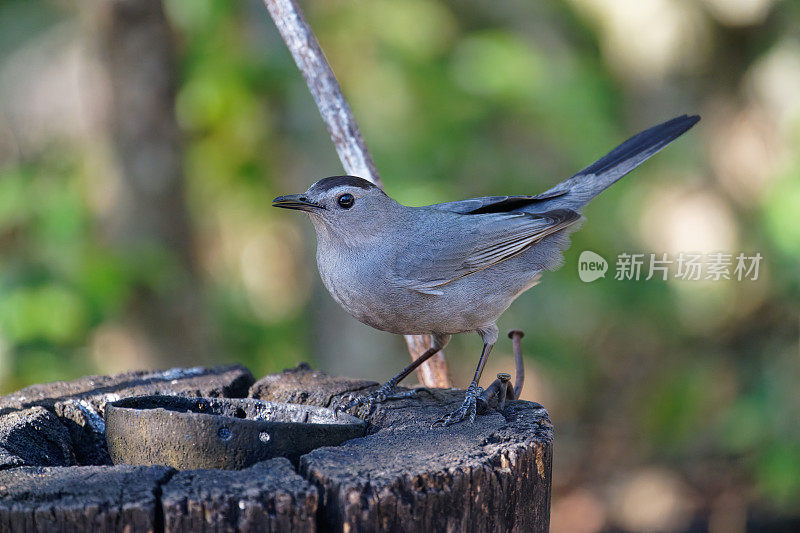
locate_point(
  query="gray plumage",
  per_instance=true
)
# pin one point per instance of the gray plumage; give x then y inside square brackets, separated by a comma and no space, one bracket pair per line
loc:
[453,267]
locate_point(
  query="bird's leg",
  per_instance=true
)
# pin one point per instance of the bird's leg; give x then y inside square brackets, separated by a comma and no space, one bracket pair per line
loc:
[385,391]
[469,408]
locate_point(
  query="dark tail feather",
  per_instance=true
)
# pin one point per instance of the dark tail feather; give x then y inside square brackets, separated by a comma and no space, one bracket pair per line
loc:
[592,180]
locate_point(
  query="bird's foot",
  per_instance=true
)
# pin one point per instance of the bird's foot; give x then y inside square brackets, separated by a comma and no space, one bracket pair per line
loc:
[468,409]
[384,393]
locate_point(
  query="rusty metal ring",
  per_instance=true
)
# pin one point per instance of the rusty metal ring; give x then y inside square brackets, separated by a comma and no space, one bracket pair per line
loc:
[228,433]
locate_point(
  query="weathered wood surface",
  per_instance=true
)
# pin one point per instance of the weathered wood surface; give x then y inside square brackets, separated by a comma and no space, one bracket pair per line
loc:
[80,405]
[493,475]
[34,436]
[78,499]
[268,496]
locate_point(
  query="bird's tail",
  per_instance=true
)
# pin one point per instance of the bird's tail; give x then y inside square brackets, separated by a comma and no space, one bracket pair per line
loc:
[578,190]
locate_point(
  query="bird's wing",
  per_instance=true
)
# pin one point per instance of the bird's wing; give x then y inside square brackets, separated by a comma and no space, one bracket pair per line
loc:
[495,204]
[472,243]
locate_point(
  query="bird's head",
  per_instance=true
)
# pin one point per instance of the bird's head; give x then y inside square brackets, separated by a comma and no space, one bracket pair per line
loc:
[342,205]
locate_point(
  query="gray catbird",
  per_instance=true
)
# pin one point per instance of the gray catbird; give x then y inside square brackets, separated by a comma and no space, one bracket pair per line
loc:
[453,267]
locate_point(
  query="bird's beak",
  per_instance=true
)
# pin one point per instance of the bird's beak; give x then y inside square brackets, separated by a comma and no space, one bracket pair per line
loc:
[296,201]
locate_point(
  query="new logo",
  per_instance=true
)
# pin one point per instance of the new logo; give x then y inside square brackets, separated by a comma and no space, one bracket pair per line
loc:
[591,266]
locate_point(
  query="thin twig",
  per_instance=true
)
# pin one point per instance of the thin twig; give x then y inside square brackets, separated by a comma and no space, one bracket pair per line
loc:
[346,137]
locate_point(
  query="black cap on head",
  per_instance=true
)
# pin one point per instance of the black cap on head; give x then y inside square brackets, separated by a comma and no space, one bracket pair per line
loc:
[327,184]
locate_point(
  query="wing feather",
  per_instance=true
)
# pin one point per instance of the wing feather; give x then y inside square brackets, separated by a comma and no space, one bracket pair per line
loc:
[496,204]
[491,238]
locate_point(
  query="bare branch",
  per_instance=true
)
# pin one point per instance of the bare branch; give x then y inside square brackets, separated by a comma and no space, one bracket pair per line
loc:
[350,146]
[335,112]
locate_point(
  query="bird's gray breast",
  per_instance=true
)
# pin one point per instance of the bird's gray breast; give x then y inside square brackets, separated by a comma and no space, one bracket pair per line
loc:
[357,280]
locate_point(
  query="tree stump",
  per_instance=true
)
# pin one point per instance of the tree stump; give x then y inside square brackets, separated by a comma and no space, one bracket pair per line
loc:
[493,475]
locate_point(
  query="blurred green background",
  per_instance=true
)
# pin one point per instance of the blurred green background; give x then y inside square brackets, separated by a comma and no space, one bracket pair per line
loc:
[141,145]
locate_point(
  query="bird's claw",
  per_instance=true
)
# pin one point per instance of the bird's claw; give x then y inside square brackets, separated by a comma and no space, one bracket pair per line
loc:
[468,409]
[350,401]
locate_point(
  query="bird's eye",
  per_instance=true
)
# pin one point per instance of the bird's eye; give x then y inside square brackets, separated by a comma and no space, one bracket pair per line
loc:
[346,200]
